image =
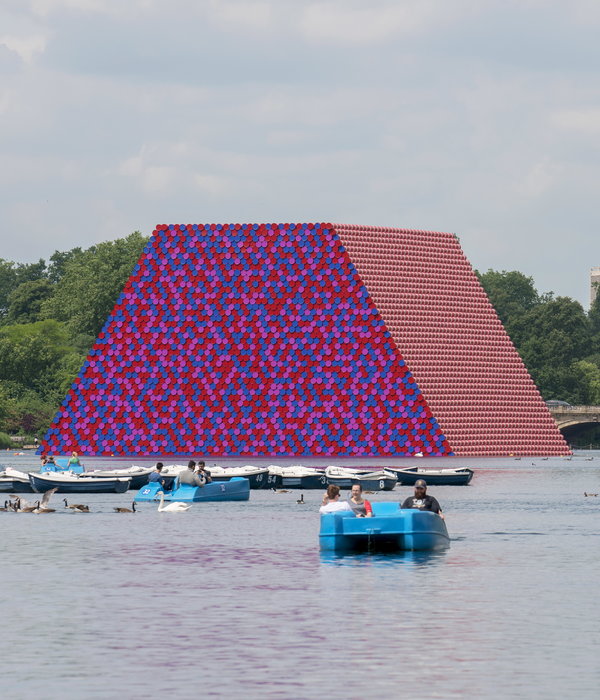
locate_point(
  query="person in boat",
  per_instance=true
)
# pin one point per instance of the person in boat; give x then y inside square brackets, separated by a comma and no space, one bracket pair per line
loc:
[421,500]
[156,476]
[47,459]
[361,507]
[74,458]
[189,476]
[203,472]
[331,501]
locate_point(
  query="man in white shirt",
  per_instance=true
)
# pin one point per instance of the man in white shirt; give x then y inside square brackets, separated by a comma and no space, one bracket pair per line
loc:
[331,502]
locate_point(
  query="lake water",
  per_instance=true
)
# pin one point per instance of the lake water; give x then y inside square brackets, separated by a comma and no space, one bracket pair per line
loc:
[235,599]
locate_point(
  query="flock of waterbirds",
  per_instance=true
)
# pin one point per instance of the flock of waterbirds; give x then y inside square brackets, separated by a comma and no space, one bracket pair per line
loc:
[17,504]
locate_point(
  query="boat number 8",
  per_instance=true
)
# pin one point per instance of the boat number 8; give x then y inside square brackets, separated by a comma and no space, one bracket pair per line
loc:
[381,484]
[222,487]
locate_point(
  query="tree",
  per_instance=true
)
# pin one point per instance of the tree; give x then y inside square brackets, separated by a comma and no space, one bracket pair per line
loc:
[512,294]
[92,282]
[25,302]
[12,275]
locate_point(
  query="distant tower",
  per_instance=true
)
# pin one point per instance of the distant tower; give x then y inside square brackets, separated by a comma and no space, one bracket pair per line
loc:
[594,283]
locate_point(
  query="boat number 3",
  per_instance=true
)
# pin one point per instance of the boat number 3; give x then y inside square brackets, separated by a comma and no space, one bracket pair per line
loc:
[381,484]
[323,479]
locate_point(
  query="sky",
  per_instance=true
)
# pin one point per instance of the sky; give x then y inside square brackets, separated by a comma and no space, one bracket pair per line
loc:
[479,117]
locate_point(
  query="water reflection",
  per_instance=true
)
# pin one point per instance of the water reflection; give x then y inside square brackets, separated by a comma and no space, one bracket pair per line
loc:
[383,559]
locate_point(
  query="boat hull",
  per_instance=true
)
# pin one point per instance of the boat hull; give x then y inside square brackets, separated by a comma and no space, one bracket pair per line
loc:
[382,484]
[304,482]
[260,480]
[235,489]
[41,483]
[392,529]
[442,477]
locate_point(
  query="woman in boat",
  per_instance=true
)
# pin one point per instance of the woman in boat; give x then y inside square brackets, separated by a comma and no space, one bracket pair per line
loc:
[331,502]
[361,507]
[74,458]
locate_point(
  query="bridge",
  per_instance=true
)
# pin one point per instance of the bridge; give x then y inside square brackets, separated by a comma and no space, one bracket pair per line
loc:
[571,416]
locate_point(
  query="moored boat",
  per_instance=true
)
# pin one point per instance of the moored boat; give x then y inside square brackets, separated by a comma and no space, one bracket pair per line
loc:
[137,475]
[459,476]
[258,477]
[299,477]
[14,481]
[390,529]
[235,489]
[68,482]
[345,478]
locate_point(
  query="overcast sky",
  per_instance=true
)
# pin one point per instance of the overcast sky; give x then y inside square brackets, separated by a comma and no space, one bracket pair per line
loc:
[479,117]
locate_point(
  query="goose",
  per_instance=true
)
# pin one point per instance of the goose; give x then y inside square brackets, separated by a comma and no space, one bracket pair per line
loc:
[21,505]
[281,490]
[77,507]
[301,499]
[6,506]
[174,507]
[126,510]
[43,506]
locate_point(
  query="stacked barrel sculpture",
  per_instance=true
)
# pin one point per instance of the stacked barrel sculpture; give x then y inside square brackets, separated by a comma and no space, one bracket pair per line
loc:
[302,339]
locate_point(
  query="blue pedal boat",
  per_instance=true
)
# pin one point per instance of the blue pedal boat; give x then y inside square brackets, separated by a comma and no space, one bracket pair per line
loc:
[236,489]
[391,529]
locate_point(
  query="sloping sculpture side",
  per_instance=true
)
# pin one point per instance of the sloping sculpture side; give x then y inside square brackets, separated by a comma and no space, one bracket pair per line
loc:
[245,340]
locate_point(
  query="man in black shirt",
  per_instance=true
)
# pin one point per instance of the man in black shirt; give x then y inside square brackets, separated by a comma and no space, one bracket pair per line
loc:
[421,500]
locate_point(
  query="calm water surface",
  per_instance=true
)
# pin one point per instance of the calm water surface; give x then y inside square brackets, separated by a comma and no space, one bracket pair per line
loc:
[235,599]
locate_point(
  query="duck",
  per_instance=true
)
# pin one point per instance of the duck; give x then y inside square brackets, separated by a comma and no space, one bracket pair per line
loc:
[77,507]
[589,494]
[43,506]
[174,507]
[301,499]
[281,490]
[126,510]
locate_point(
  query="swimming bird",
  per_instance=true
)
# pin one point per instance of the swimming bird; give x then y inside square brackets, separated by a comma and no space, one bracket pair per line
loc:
[77,506]
[174,507]
[281,490]
[301,499]
[22,505]
[43,506]
[126,510]
[6,506]
[589,494]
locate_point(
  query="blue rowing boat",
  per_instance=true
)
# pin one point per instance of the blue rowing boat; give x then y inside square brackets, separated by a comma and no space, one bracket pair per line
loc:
[236,489]
[391,529]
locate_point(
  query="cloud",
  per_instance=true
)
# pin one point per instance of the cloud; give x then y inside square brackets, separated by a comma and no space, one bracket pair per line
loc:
[26,47]
[584,121]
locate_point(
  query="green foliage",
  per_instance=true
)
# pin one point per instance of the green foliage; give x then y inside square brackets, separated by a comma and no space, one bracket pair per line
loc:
[25,302]
[511,293]
[14,274]
[5,442]
[91,283]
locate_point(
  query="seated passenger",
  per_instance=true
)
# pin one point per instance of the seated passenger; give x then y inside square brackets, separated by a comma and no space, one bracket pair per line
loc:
[421,500]
[361,507]
[156,476]
[74,458]
[203,473]
[331,502]
[188,476]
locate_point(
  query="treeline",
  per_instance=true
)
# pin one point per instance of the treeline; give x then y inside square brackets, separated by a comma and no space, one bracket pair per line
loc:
[51,312]
[558,341]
